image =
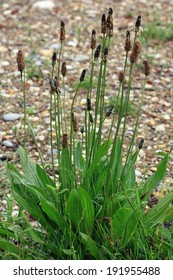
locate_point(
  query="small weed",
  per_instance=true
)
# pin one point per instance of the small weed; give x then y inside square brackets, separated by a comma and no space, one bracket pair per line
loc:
[157,31]
[32,70]
[31,110]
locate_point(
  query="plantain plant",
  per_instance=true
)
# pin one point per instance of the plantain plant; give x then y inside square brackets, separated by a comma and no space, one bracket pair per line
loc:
[92,206]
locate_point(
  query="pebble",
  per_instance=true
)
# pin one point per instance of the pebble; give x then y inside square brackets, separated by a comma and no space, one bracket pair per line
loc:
[45,52]
[7,144]
[54,46]
[11,117]
[73,43]
[80,57]
[138,173]
[47,120]
[54,152]
[160,128]
[5,63]
[43,5]
[3,49]
[41,138]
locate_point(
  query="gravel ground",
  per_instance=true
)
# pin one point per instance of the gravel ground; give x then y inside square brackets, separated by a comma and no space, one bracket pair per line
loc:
[36,31]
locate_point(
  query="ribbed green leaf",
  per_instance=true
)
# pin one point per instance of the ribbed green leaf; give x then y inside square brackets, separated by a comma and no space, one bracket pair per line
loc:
[29,168]
[129,178]
[161,212]
[53,213]
[92,247]
[44,178]
[115,168]
[119,222]
[87,209]
[9,247]
[101,179]
[79,160]
[67,176]
[154,180]
[31,207]
[129,229]
[74,209]
[102,150]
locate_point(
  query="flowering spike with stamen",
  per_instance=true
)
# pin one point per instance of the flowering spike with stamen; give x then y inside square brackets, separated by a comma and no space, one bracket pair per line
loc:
[135,52]
[109,23]
[146,68]
[103,24]
[63,69]
[20,61]
[121,76]
[62,31]
[128,43]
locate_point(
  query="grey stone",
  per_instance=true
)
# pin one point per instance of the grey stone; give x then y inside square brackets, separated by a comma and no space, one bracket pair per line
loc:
[43,5]
[11,117]
[80,57]
[160,128]
[7,144]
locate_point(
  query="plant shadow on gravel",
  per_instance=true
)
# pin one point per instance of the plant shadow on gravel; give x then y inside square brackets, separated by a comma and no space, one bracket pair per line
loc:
[91,207]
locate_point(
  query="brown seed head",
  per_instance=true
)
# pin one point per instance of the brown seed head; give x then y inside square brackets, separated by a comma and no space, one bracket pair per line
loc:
[135,52]
[103,24]
[138,23]
[63,69]
[91,118]
[82,130]
[141,144]
[88,104]
[20,61]
[54,85]
[53,59]
[82,77]
[121,76]
[147,68]
[93,39]
[75,124]
[64,141]
[97,52]
[62,31]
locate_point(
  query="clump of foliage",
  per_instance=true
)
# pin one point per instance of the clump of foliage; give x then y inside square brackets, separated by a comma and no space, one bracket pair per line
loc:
[91,207]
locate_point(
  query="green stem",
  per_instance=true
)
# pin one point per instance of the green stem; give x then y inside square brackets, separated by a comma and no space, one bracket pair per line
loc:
[87,127]
[136,126]
[25,109]
[65,125]
[51,136]
[71,124]
[59,59]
